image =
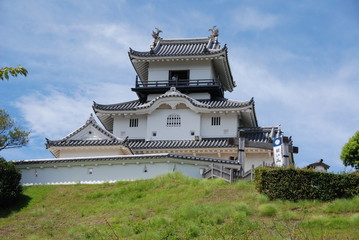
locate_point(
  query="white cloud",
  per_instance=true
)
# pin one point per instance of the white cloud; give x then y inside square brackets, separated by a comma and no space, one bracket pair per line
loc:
[56,114]
[251,19]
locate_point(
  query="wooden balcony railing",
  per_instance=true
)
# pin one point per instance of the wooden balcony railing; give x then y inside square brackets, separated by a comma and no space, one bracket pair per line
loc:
[177,83]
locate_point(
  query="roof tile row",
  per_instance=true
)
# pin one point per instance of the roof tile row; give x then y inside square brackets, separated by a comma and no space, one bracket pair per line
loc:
[161,144]
[127,157]
[181,47]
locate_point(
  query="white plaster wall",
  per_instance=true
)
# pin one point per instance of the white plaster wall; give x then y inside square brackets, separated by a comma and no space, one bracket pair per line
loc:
[320,169]
[198,70]
[227,129]
[69,153]
[122,129]
[190,121]
[157,122]
[102,173]
[256,159]
[198,96]
[152,96]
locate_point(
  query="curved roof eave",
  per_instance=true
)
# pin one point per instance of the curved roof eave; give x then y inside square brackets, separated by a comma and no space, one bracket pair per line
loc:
[174,94]
[153,57]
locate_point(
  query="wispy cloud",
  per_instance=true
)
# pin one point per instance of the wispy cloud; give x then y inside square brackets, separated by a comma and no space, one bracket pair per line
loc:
[246,19]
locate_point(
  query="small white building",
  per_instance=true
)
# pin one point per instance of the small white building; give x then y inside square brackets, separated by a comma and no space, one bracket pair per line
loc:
[181,121]
[318,166]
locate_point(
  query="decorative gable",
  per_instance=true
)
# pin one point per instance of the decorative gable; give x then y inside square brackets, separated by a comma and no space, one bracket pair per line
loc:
[90,131]
[90,137]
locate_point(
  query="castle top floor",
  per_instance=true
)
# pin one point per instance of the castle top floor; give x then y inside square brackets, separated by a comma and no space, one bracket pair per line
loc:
[198,65]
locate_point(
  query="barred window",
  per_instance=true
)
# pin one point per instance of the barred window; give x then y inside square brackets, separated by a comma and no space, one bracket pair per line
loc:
[174,120]
[216,121]
[134,122]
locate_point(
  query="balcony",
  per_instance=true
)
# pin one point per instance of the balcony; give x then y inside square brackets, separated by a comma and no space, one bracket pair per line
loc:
[180,83]
[186,86]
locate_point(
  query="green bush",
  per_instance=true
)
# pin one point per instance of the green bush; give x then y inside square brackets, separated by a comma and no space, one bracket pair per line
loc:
[10,187]
[267,210]
[297,184]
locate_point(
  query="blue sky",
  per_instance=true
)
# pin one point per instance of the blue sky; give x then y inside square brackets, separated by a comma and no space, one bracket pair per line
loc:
[298,59]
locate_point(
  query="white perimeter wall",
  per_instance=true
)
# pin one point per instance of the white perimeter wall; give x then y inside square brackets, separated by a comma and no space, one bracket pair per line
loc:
[198,70]
[103,172]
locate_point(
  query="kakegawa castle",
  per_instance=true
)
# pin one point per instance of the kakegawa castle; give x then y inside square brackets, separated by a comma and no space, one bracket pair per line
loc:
[181,121]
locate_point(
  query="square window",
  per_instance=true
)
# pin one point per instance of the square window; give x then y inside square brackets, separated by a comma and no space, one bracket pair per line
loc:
[154,134]
[134,122]
[216,121]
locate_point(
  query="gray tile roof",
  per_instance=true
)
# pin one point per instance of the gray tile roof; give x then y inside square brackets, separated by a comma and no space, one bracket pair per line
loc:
[167,144]
[76,143]
[262,137]
[127,157]
[182,47]
[261,134]
[136,104]
[131,105]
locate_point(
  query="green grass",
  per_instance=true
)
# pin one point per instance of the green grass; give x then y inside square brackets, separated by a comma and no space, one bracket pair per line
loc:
[173,207]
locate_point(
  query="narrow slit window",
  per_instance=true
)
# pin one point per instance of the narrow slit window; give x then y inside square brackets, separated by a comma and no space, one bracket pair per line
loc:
[134,122]
[216,121]
[174,120]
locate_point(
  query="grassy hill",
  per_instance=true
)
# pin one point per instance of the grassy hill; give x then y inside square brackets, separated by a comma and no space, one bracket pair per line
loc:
[173,207]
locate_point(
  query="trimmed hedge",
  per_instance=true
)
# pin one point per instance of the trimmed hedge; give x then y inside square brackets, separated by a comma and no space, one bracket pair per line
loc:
[298,184]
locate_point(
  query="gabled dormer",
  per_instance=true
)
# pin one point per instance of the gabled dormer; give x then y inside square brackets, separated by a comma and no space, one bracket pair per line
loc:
[198,67]
[88,140]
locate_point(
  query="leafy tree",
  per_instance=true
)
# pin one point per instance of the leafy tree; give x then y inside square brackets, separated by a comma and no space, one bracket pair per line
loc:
[5,71]
[350,152]
[10,135]
[10,187]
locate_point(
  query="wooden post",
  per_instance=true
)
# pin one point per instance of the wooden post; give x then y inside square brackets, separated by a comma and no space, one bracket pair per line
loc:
[285,151]
[212,172]
[252,172]
[241,151]
[136,81]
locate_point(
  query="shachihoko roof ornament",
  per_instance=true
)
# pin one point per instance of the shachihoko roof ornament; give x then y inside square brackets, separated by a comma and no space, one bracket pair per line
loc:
[214,32]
